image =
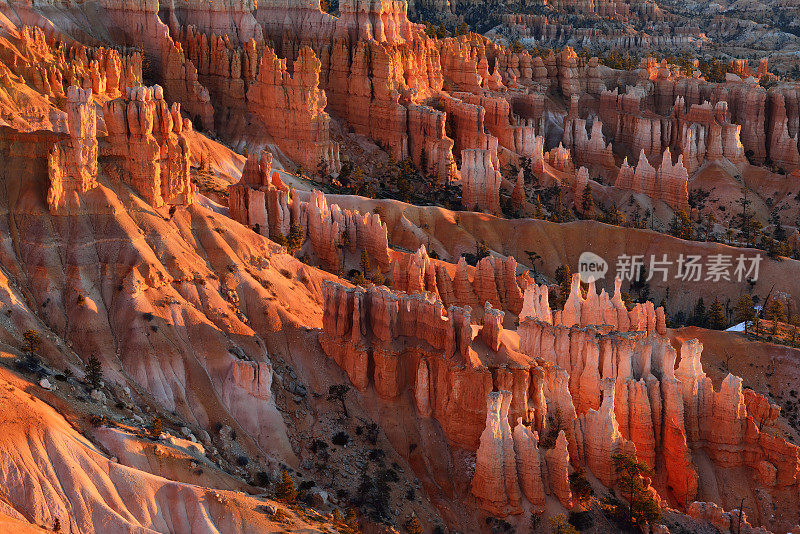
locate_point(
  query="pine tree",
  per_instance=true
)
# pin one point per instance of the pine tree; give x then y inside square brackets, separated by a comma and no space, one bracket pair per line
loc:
[587,202]
[94,372]
[338,392]
[351,518]
[641,508]
[716,315]
[365,266]
[32,340]
[700,318]
[295,239]
[157,428]
[539,209]
[774,310]
[285,490]
[564,279]
[744,310]
[413,526]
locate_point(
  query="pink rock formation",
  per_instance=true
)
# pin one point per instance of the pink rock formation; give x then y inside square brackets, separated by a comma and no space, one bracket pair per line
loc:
[495,483]
[526,448]
[670,183]
[325,226]
[558,467]
[51,66]
[146,138]
[292,108]
[494,281]
[260,199]
[589,150]
[480,181]
[72,163]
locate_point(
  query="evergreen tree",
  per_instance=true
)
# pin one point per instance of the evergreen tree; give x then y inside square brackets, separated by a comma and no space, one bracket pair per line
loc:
[94,372]
[32,340]
[285,490]
[774,310]
[746,220]
[564,279]
[700,317]
[560,525]
[587,202]
[413,526]
[641,509]
[365,266]
[581,488]
[681,225]
[716,315]
[157,428]
[295,239]
[481,250]
[338,392]
[539,209]
[744,310]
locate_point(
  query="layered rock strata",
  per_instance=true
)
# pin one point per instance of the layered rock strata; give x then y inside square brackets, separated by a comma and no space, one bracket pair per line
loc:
[480,182]
[147,141]
[593,390]
[72,163]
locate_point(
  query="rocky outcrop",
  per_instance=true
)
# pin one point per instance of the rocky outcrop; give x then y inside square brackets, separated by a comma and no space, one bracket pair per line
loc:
[147,143]
[493,280]
[558,469]
[72,163]
[720,420]
[495,483]
[480,182]
[325,226]
[529,464]
[602,380]
[139,25]
[260,199]
[52,66]
[590,151]
[292,108]
[670,183]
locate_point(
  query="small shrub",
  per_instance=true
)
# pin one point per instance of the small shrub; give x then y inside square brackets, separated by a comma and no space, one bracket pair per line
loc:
[157,428]
[413,526]
[285,490]
[32,340]
[340,438]
[242,461]
[560,525]
[306,485]
[262,479]
[581,520]
[94,372]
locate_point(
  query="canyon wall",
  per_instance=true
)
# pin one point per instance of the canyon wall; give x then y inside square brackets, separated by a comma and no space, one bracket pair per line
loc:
[594,389]
[72,163]
[147,144]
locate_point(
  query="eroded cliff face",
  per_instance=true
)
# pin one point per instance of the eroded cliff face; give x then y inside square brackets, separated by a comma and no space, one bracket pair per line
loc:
[147,147]
[598,378]
[51,66]
[72,163]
